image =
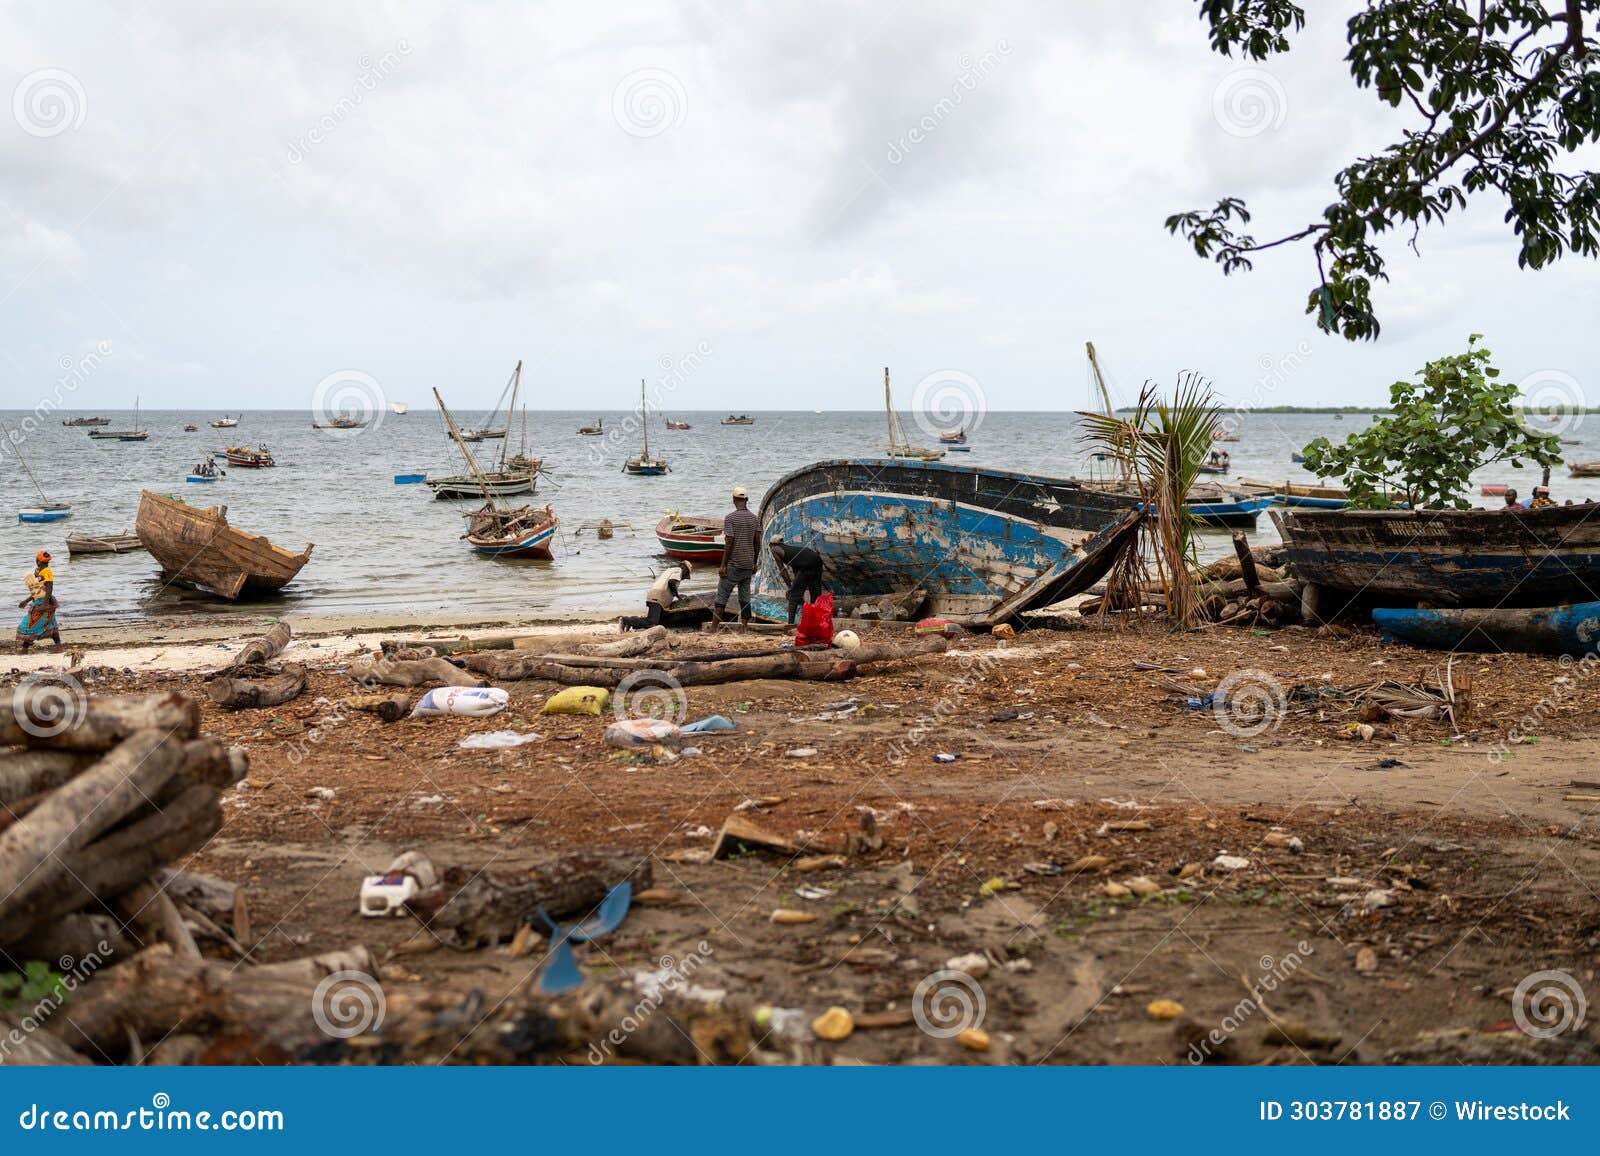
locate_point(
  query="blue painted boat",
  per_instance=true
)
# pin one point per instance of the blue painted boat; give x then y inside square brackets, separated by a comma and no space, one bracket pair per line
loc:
[44,514]
[640,468]
[197,478]
[409,479]
[1230,512]
[1456,558]
[523,532]
[1571,629]
[983,545]
[954,448]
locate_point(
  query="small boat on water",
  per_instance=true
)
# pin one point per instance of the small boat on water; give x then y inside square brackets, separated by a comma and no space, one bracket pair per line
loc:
[739,419]
[1288,493]
[522,461]
[244,457]
[398,408]
[123,543]
[645,466]
[1501,557]
[123,435]
[1297,457]
[697,537]
[197,547]
[59,512]
[953,437]
[82,421]
[491,431]
[339,423]
[199,478]
[595,430]
[1221,436]
[46,510]
[500,531]
[1585,469]
[678,424]
[899,447]
[984,545]
[1225,508]
[1571,629]
[1210,469]
[190,427]
[508,478]
[225,422]
[409,479]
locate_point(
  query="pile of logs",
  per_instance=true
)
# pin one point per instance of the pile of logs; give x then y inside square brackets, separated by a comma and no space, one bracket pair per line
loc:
[253,680]
[1249,589]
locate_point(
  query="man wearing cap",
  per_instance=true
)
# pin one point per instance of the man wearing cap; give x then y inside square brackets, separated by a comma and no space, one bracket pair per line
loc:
[39,619]
[741,543]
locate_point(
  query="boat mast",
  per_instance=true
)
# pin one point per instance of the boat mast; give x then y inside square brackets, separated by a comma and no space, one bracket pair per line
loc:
[17,445]
[888,409]
[644,419]
[1105,398]
[472,462]
[516,380]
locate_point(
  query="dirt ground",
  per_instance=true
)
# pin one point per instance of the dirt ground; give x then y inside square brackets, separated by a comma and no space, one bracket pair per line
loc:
[1380,897]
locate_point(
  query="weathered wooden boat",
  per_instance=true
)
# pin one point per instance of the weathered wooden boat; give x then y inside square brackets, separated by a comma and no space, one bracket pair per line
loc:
[190,427]
[522,461]
[259,458]
[339,423]
[1585,469]
[523,532]
[697,537]
[82,421]
[1210,469]
[225,422]
[1287,493]
[492,432]
[899,447]
[496,484]
[1501,557]
[103,543]
[739,419]
[1225,509]
[595,430]
[197,547]
[645,466]
[981,544]
[953,437]
[123,435]
[1571,629]
[45,510]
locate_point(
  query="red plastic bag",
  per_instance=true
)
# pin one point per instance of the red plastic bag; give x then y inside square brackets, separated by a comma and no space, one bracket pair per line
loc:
[816,623]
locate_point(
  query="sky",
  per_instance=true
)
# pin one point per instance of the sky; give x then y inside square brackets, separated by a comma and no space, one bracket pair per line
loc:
[759,205]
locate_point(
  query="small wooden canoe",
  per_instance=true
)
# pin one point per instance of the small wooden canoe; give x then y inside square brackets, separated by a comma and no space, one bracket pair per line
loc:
[103,544]
[1571,629]
[1585,469]
[197,547]
[523,532]
[697,537]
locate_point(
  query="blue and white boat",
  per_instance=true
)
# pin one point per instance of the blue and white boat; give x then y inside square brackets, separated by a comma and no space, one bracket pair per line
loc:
[1227,509]
[52,513]
[645,466]
[201,478]
[46,510]
[409,479]
[981,545]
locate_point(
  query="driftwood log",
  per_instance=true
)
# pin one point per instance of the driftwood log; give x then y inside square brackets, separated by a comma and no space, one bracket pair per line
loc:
[412,672]
[257,686]
[39,716]
[263,649]
[27,773]
[476,907]
[388,707]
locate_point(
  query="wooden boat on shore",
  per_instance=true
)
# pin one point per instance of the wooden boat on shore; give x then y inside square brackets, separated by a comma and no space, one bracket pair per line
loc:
[244,457]
[1585,469]
[697,537]
[739,419]
[645,466]
[197,547]
[983,545]
[1225,508]
[1571,629]
[124,543]
[1508,557]
[83,421]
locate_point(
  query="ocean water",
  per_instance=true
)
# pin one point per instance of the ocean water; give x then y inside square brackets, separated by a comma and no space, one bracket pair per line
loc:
[396,549]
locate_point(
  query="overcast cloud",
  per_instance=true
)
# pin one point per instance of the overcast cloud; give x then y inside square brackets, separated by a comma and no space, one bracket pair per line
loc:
[241,199]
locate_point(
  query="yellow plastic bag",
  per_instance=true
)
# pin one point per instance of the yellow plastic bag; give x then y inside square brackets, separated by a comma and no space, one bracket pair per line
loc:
[578,700]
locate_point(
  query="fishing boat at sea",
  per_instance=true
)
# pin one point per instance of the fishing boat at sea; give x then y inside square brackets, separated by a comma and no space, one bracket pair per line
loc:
[197,547]
[46,510]
[644,465]
[959,541]
[123,435]
[1224,507]
[259,458]
[899,447]
[1464,558]
[738,419]
[399,408]
[339,423]
[678,424]
[953,438]
[491,431]
[501,531]
[83,421]
[1585,469]
[1573,629]
[522,461]
[124,543]
[225,422]
[505,480]
[190,427]
[697,537]
[595,430]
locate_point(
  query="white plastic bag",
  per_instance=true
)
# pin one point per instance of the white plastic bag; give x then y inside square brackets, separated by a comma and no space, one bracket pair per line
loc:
[472,701]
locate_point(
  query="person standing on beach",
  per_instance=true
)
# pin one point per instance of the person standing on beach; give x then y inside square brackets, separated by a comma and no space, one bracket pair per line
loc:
[805,573]
[39,619]
[741,545]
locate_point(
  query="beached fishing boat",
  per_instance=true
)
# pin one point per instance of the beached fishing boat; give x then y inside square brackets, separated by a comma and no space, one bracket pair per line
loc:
[123,543]
[1500,557]
[505,480]
[1585,469]
[500,531]
[697,537]
[259,458]
[644,465]
[46,510]
[1571,629]
[123,435]
[984,545]
[225,422]
[595,430]
[739,419]
[82,421]
[899,447]
[197,547]
[678,424]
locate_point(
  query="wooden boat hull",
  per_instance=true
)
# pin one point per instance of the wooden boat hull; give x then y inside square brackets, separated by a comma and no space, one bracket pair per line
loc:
[1239,512]
[197,547]
[109,544]
[1501,557]
[1585,469]
[534,545]
[249,461]
[699,539]
[1571,629]
[646,469]
[83,421]
[104,435]
[338,425]
[466,486]
[984,545]
[738,421]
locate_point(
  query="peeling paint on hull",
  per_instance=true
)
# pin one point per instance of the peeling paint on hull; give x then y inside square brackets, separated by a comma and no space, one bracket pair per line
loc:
[1562,630]
[983,544]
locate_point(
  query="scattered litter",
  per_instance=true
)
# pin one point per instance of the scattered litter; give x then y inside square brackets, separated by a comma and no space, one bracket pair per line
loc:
[945,757]
[590,700]
[1227,862]
[499,740]
[711,724]
[1164,1009]
[471,701]
[1004,630]
[1041,868]
[812,891]
[641,732]
[388,893]
[833,1024]
[976,964]
[801,752]
[1377,898]
[787,1023]
[789,915]
[320,793]
[974,1039]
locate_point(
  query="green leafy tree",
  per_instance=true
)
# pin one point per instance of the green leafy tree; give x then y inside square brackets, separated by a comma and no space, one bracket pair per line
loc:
[1497,92]
[1458,419]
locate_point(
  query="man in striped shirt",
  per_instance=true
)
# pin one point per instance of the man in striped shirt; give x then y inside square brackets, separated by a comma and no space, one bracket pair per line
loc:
[741,546]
